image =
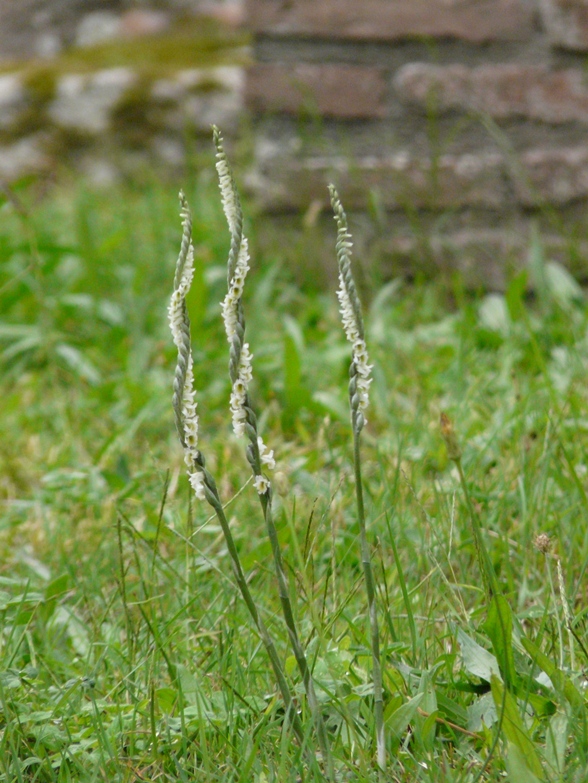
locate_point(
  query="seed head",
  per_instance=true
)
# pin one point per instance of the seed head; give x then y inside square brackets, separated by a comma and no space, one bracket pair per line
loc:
[543,543]
[450,438]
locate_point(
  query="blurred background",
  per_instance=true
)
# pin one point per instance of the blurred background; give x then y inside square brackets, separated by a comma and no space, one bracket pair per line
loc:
[110,87]
[453,129]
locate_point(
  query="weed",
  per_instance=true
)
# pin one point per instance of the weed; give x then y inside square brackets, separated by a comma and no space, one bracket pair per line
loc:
[127,651]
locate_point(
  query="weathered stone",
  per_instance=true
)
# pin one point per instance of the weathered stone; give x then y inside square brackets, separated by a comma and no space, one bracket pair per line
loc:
[85,103]
[556,176]
[48,45]
[400,180]
[12,100]
[31,28]
[480,20]
[201,97]
[501,90]
[200,112]
[222,77]
[566,22]
[25,156]
[143,21]
[97,27]
[331,90]
[169,150]
[481,254]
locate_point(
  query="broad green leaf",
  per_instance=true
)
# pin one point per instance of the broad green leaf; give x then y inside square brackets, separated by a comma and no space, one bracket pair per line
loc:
[57,587]
[54,589]
[560,682]
[514,295]
[476,659]
[426,687]
[498,626]
[562,286]
[493,314]
[425,727]
[290,665]
[482,713]
[167,698]
[398,721]
[513,727]
[428,731]
[557,738]
[516,766]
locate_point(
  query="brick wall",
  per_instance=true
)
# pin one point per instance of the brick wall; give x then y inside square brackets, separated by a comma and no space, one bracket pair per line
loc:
[474,110]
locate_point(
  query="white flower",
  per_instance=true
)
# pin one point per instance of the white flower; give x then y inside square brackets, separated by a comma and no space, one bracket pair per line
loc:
[261,484]
[231,301]
[227,188]
[197,483]
[360,354]
[267,457]
[239,391]
[176,306]
[178,325]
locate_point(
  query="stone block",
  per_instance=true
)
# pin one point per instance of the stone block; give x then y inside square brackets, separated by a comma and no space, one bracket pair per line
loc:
[345,91]
[532,92]
[400,179]
[85,103]
[482,255]
[475,21]
[26,156]
[556,176]
[200,97]
[566,22]
[98,27]
[13,100]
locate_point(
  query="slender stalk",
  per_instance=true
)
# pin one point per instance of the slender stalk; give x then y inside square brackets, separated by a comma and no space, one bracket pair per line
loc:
[359,382]
[372,608]
[203,483]
[297,647]
[213,499]
[245,423]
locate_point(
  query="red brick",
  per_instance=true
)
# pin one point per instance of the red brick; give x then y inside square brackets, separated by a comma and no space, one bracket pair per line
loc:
[456,181]
[505,90]
[345,91]
[557,176]
[566,22]
[477,20]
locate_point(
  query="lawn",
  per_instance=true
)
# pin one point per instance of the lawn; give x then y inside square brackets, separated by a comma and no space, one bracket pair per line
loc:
[126,650]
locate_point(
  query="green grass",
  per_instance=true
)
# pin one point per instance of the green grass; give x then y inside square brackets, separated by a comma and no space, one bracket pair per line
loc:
[125,651]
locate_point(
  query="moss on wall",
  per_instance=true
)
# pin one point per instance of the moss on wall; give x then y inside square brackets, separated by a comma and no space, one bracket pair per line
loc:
[191,43]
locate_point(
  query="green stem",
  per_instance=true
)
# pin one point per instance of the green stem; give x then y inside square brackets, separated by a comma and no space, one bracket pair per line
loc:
[214,500]
[297,648]
[372,608]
